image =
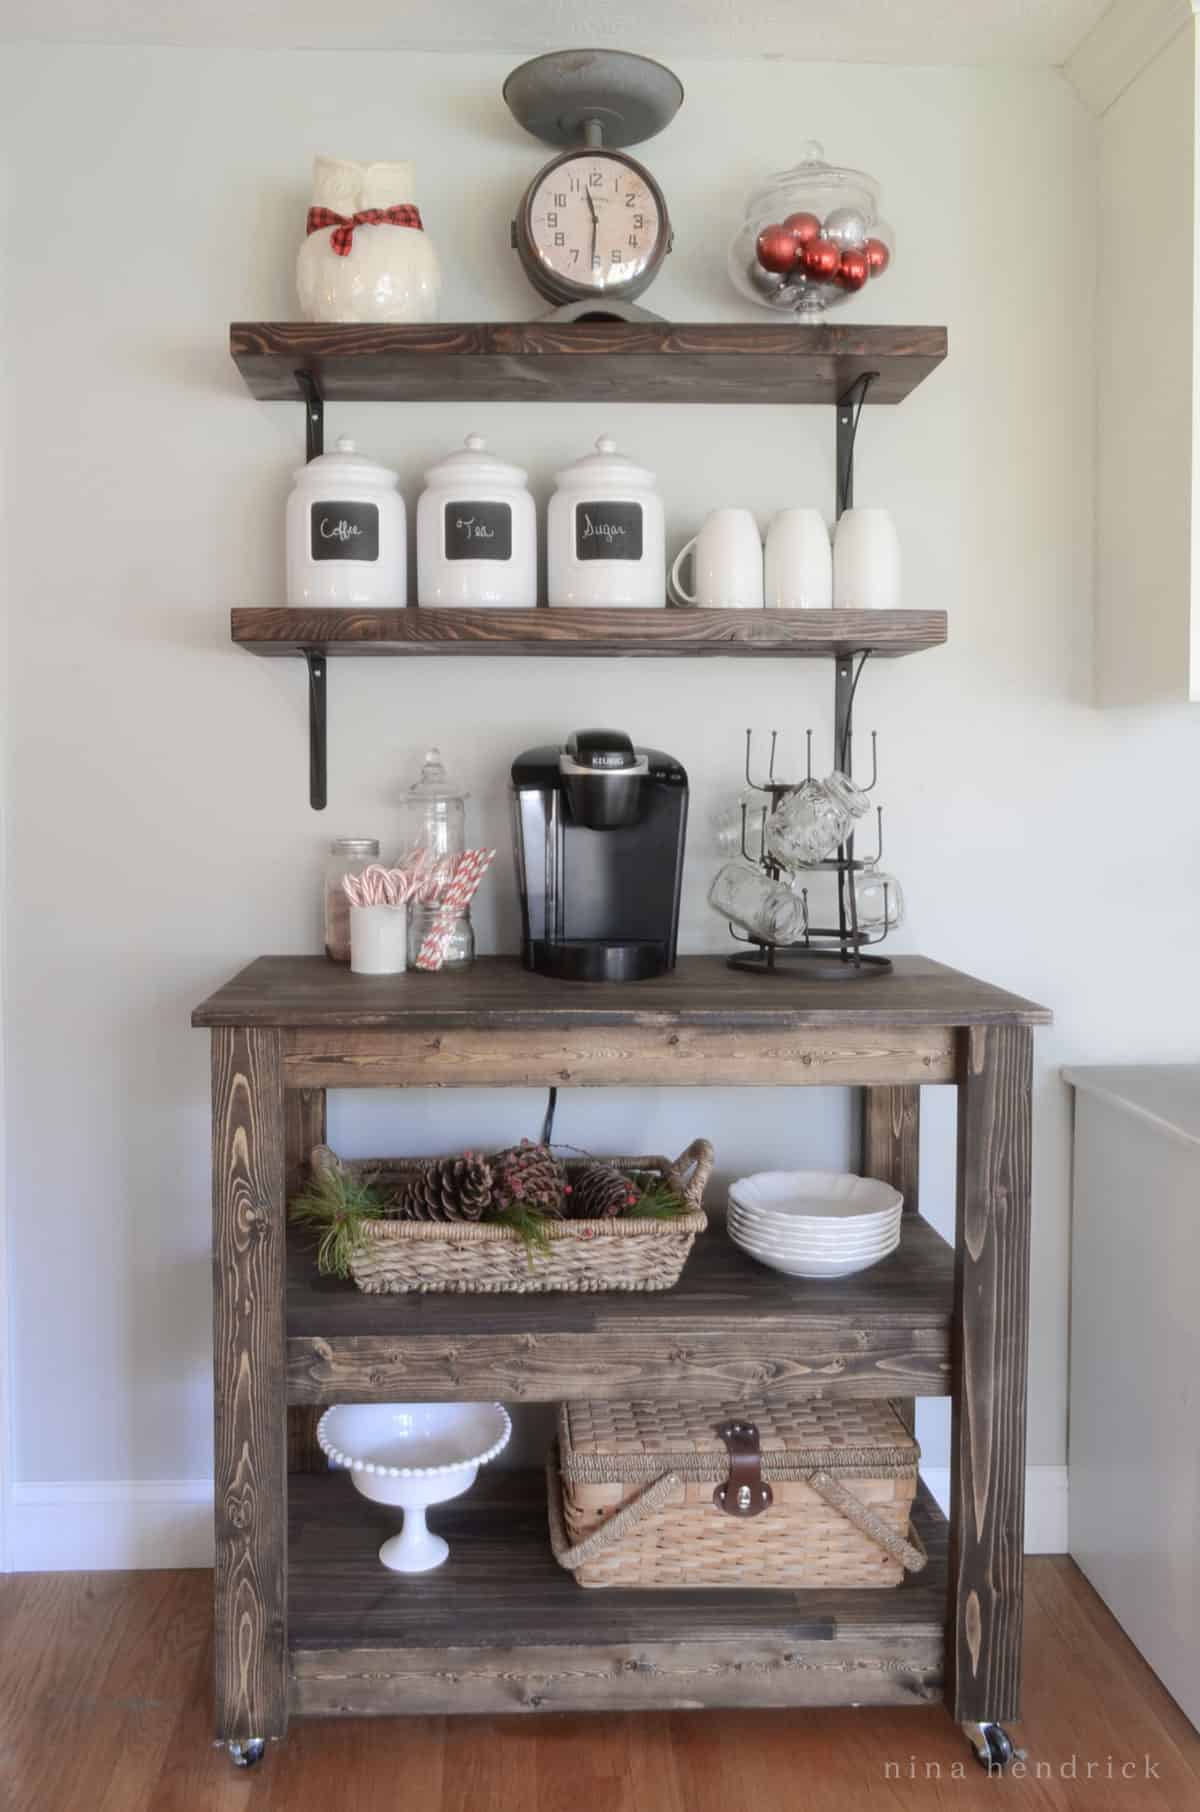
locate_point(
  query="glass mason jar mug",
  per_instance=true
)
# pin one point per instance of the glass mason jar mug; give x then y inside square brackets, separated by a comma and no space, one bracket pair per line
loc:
[812,819]
[766,909]
[878,898]
[460,950]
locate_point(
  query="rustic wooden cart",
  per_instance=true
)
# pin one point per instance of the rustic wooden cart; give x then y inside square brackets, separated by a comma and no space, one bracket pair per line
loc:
[305,1622]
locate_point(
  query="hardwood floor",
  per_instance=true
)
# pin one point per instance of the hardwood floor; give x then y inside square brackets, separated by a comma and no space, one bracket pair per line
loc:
[105,1706]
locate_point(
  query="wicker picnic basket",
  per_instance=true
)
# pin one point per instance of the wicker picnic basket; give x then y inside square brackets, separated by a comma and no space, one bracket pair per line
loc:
[471,1257]
[812,1493]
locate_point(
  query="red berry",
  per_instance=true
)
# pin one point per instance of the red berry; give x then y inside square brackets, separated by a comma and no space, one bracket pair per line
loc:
[776,249]
[821,258]
[802,227]
[877,256]
[853,270]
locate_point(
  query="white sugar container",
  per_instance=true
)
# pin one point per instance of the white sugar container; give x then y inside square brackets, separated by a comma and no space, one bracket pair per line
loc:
[605,541]
[346,532]
[476,532]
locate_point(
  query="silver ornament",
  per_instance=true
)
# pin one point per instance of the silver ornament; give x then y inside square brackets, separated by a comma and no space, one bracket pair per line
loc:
[764,281]
[847,228]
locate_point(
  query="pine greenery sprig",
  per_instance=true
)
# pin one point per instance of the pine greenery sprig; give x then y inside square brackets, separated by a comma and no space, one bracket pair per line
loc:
[527,1223]
[337,1205]
[657,1201]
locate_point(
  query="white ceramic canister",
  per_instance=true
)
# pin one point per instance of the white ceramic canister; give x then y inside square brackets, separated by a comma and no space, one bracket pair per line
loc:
[387,269]
[346,535]
[476,532]
[605,540]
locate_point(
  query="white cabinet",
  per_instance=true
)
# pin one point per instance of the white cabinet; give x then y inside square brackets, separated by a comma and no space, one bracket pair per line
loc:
[1134,1442]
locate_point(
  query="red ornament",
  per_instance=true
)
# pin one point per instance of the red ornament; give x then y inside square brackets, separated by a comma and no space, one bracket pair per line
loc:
[776,249]
[821,259]
[877,256]
[853,270]
[802,227]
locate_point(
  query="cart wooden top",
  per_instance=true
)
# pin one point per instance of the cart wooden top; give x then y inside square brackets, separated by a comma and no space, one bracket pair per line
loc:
[497,992]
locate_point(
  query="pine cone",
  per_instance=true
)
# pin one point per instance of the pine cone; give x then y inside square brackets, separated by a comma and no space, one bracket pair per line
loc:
[449,1189]
[529,1176]
[598,1192]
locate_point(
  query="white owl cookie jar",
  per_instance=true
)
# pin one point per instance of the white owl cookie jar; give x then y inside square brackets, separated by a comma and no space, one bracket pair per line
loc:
[366,256]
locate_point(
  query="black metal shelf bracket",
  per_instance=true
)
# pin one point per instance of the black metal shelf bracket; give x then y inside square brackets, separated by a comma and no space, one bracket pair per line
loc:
[849,409]
[314,415]
[318,685]
[317,783]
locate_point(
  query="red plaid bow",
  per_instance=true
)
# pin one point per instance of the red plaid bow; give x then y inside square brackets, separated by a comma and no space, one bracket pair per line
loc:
[342,236]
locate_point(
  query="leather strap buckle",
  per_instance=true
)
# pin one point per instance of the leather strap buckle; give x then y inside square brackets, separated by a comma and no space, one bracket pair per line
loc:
[745,1492]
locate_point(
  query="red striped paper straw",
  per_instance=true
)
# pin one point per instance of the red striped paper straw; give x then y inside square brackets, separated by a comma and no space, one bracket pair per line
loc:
[469,871]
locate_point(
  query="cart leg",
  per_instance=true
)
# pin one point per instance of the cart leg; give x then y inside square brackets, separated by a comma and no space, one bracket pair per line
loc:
[304,1120]
[987,1473]
[891,1144]
[250,1460]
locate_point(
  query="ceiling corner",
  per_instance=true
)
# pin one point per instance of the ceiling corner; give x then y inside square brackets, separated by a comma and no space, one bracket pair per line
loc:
[1119,46]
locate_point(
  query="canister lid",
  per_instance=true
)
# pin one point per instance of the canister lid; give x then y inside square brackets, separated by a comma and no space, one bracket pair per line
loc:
[346,466]
[475,465]
[607,467]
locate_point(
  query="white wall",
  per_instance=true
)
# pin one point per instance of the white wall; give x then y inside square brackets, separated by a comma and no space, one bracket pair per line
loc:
[159,833]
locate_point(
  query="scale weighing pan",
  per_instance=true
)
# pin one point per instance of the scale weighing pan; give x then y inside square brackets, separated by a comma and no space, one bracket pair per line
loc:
[630,97]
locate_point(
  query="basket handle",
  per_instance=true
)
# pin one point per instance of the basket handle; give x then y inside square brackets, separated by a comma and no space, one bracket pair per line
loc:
[627,1517]
[693,1167]
[910,1554]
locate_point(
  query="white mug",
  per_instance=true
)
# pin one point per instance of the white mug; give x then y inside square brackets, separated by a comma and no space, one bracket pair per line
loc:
[799,562]
[727,564]
[866,561]
[378,940]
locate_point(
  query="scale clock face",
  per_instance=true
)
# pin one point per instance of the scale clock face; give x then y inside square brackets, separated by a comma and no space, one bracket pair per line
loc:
[593,223]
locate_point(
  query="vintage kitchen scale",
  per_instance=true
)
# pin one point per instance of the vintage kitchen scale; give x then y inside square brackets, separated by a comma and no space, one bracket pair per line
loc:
[592,229]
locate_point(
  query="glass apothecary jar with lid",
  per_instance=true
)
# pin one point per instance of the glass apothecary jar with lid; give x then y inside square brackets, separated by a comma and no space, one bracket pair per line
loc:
[435,820]
[811,238]
[347,856]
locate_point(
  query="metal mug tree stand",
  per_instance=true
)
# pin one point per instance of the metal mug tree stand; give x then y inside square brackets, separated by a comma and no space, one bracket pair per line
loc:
[833,951]
[837,952]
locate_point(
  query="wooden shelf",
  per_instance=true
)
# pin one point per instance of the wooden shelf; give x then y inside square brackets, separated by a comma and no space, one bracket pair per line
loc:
[501,1627]
[729,1326]
[758,634]
[584,362]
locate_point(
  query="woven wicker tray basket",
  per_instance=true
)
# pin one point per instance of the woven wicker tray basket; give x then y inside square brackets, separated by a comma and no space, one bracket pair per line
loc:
[401,1256]
[631,1496]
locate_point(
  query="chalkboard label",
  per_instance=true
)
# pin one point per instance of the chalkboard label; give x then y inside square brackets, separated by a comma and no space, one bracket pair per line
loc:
[345,531]
[479,531]
[608,531]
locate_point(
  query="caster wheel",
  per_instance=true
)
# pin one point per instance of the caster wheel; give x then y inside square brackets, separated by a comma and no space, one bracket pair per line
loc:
[247,1754]
[993,1746]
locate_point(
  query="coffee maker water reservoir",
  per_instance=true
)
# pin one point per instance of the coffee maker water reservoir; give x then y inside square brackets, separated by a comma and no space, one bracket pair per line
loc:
[599,828]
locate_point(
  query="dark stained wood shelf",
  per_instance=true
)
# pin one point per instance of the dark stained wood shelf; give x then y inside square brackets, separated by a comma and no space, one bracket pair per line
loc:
[501,1627]
[729,1328]
[759,634]
[600,362]
[496,992]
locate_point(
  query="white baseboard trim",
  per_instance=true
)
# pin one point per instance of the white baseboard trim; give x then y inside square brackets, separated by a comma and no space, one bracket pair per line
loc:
[111,1524]
[1045,1504]
[122,1523]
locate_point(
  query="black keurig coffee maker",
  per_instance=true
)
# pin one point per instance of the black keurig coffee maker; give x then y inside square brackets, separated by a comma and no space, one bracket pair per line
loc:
[599,829]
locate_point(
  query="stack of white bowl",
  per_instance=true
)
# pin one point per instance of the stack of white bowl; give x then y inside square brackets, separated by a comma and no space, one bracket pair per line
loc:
[814,1223]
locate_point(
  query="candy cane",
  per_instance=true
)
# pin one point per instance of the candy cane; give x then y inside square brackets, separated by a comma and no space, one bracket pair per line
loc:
[469,871]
